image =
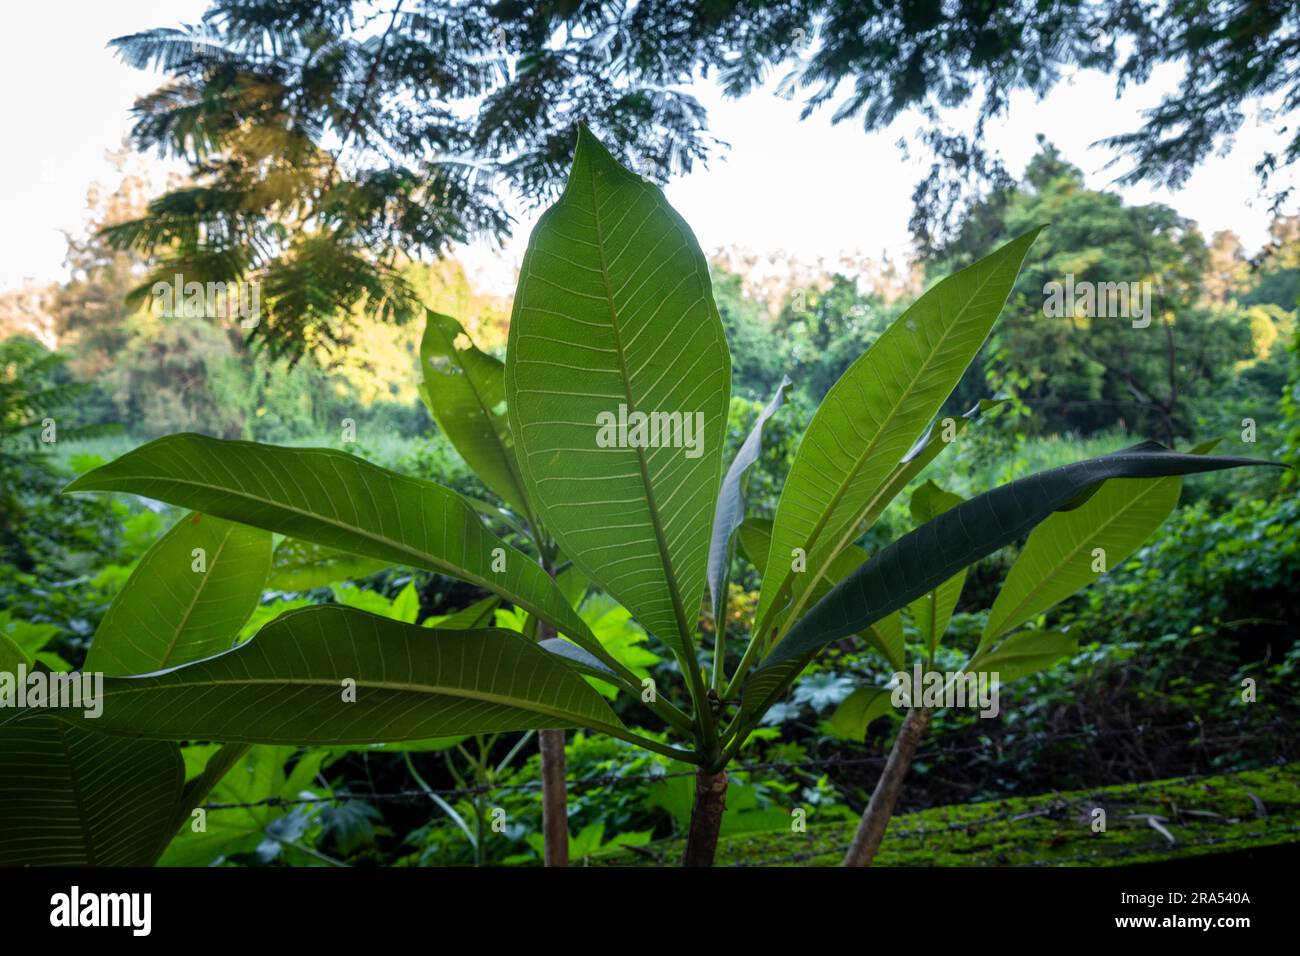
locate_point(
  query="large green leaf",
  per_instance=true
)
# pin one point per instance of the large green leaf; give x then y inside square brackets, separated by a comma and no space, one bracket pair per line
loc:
[72,797]
[934,552]
[186,599]
[339,501]
[876,412]
[614,313]
[932,611]
[286,685]
[1058,558]
[303,566]
[464,390]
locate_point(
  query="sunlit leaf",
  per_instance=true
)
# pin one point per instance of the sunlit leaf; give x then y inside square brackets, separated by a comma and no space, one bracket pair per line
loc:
[187,598]
[614,318]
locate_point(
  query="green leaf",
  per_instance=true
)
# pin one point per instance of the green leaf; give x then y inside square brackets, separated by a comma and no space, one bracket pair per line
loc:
[29,638]
[856,712]
[286,685]
[755,539]
[730,511]
[932,611]
[303,566]
[245,775]
[1057,560]
[221,758]
[464,391]
[72,797]
[339,501]
[934,552]
[885,635]
[478,614]
[404,607]
[186,599]
[614,311]
[1025,653]
[873,416]
[573,585]
[11,655]
[580,660]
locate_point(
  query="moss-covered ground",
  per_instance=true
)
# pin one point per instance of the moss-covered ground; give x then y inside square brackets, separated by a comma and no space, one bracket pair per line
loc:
[1149,822]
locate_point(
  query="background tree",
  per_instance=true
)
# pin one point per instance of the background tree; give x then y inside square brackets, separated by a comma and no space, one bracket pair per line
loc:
[329,140]
[1084,371]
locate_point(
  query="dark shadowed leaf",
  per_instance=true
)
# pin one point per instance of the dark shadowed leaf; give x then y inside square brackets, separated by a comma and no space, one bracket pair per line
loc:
[72,797]
[929,555]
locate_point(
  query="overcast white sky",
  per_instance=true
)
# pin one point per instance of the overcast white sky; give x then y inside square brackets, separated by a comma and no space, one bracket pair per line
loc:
[808,187]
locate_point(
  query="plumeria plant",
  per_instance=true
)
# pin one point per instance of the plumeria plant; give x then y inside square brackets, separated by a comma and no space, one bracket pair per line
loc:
[602,434]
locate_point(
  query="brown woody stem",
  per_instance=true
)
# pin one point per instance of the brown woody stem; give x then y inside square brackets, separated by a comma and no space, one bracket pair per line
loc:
[706,817]
[871,828]
[555,809]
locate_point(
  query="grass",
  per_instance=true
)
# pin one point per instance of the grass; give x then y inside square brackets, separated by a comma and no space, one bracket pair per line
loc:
[376,445]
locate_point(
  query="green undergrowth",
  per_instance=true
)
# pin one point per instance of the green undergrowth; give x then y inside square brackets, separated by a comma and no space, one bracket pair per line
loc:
[1202,815]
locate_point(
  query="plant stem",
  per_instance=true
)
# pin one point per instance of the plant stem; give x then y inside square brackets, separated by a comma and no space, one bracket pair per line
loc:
[747,660]
[871,828]
[706,817]
[480,814]
[555,810]
[555,797]
[514,751]
[446,807]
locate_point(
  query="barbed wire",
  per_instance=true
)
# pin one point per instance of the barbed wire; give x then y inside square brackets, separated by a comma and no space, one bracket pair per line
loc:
[584,784]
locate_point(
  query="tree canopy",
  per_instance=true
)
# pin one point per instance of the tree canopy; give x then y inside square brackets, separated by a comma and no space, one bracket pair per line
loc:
[330,141]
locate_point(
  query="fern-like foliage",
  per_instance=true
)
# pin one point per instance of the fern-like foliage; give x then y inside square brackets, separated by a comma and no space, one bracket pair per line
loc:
[330,141]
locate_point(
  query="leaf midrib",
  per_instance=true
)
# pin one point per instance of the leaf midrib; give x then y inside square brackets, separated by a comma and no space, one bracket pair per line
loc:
[194,599]
[656,521]
[83,814]
[393,686]
[438,565]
